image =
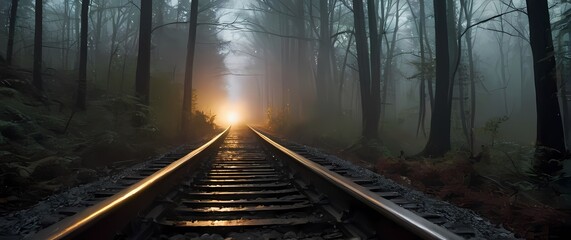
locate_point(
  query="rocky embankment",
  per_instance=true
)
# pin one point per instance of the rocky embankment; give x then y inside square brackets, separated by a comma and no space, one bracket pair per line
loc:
[47,146]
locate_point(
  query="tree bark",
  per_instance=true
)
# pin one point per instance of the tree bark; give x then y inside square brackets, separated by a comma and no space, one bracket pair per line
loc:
[468,10]
[65,38]
[82,81]
[375,110]
[77,33]
[143,74]
[439,139]
[390,83]
[422,74]
[550,142]
[363,63]
[37,72]
[342,75]
[11,30]
[422,15]
[565,68]
[323,60]
[117,20]
[422,26]
[303,65]
[187,98]
[461,80]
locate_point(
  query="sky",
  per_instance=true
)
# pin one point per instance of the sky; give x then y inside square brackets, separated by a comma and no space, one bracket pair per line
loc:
[238,80]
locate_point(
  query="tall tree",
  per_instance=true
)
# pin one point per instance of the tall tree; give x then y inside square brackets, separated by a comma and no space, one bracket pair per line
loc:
[143,74]
[374,112]
[363,63]
[389,97]
[439,139]
[550,141]
[187,98]
[11,30]
[303,65]
[37,72]
[324,59]
[82,80]
[420,28]
[468,7]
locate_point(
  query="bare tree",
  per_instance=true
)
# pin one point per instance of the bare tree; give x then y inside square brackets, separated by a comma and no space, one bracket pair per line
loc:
[389,82]
[324,59]
[362,59]
[11,31]
[82,80]
[374,113]
[550,142]
[420,29]
[187,98]
[439,138]
[143,74]
[468,7]
[37,72]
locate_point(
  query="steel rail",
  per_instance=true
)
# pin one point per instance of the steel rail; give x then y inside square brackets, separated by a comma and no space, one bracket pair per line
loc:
[106,218]
[402,218]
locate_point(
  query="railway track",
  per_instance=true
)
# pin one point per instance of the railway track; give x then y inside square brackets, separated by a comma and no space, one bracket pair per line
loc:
[243,185]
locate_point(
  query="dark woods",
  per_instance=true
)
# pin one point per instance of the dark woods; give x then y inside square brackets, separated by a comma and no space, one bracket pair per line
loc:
[320,60]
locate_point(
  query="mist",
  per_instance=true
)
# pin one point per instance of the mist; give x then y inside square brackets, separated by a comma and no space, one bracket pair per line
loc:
[414,90]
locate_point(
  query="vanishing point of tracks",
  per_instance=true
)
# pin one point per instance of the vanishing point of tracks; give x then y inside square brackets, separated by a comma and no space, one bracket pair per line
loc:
[243,182]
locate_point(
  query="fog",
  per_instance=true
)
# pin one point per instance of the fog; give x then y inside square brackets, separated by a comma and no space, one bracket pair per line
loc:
[260,55]
[472,93]
[247,59]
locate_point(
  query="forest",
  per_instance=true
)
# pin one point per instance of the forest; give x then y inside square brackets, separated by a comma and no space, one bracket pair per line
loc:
[465,100]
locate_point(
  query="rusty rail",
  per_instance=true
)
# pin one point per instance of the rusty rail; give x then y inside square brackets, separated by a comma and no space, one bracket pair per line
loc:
[370,210]
[104,219]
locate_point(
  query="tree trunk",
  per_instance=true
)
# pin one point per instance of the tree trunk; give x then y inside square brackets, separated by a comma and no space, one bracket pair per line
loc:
[37,72]
[550,142]
[461,80]
[468,11]
[422,15]
[187,99]
[504,58]
[143,74]
[64,35]
[284,68]
[565,86]
[125,55]
[453,52]
[117,18]
[303,65]
[159,20]
[77,33]
[422,116]
[389,82]
[375,110]
[439,139]
[323,60]
[11,30]
[363,63]
[422,89]
[342,75]
[82,81]
[99,26]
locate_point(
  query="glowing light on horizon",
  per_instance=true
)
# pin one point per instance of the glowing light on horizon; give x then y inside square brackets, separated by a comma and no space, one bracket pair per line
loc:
[232,118]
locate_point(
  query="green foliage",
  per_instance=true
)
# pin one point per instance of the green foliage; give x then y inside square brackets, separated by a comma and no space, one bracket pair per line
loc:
[492,127]
[202,123]
[120,106]
[202,119]
[139,115]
